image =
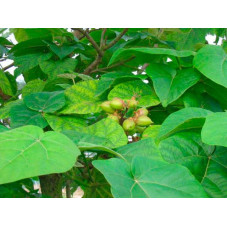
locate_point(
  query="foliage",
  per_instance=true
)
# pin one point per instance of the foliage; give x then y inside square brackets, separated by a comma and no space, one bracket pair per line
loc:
[124,113]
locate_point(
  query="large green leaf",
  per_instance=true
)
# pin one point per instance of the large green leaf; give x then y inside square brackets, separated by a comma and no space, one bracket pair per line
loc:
[20,115]
[6,84]
[207,163]
[211,61]
[27,62]
[142,91]
[121,53]
[53,68]
[27,152]
[170,84]
[109,129]
[33,87]
[214,131]
[60,123]
[187,40]
[144,148]
[47,102]
[149,178]
[80,98]
[187,118]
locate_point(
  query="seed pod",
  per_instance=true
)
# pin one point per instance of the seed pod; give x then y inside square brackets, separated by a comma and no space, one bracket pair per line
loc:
[132,103]
[129,124]
[106,107]
[117,104]
[143,121]
[142,112]
[113,117]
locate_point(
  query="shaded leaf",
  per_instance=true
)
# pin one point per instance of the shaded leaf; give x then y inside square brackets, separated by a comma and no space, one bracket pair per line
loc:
[47,102]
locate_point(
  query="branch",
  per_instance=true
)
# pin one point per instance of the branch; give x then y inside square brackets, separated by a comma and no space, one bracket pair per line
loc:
[8,66]
[145,65]
[102,41]
[92,41]
[93,65]
[113,66]
[116,39]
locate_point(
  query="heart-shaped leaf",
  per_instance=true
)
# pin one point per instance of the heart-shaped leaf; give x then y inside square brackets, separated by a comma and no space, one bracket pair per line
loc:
[207,163]
[149,178]
[20,115]
[80,98]
[47,102]
[211,61]
[170,84]
[27,152]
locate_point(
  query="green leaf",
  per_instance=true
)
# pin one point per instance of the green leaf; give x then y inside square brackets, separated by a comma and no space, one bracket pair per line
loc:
[62,51]
[80,98]
[53,68]
[29,61]
[47,102]
[211,61]
[151,131]
[121,53]
[207,163]
[60,123]
[214,131]
[3,128]
[109,129]
[142,91]
[6,86]
[33,86]
[20,115]
[80,138]
[23,34]
[187,118]
[143,148]
[28,152]
[5,110]
[149,178]
[170,84]
[188,40]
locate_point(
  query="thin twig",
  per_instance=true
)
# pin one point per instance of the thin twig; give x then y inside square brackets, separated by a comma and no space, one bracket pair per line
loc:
[113,66]
[143,68]
[116,39]
[102,41]
[92,41]
[8,66]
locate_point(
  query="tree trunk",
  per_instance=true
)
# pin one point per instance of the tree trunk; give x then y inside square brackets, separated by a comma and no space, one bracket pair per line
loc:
[51,185]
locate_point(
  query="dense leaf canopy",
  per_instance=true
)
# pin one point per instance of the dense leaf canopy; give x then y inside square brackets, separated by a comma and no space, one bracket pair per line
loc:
[126,113]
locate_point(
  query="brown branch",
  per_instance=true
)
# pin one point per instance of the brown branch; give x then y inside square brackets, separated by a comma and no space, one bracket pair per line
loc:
[145,65]
[116,39]
[102,41]
[113,66]
[91,40]
[93,65]
[8,66]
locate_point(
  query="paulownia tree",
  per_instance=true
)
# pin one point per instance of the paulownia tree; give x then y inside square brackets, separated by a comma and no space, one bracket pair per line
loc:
[118,112]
